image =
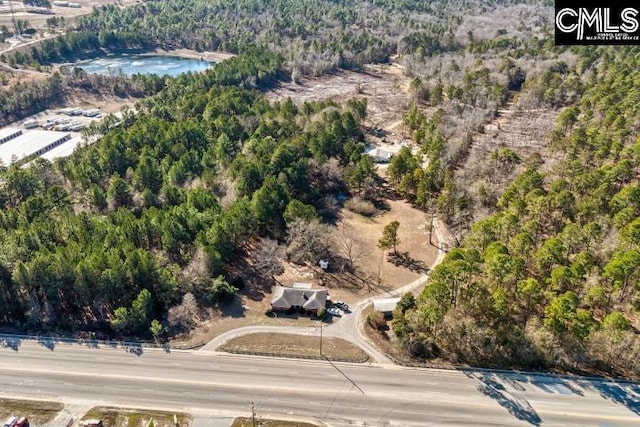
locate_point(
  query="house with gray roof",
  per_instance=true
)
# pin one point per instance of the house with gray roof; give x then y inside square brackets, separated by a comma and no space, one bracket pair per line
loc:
[300,299]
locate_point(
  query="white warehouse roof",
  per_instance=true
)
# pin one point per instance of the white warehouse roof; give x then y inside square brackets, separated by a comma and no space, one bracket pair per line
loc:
[9,133]
[30,143]
[63,150]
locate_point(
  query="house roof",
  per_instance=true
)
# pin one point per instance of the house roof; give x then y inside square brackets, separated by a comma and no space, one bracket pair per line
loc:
[310,299]
[385,305]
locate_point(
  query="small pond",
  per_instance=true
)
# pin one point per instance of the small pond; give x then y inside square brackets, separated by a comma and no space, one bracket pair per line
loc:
[143,64]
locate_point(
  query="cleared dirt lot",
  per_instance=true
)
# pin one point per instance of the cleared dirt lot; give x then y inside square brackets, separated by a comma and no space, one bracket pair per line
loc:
[38,412]
[383,86]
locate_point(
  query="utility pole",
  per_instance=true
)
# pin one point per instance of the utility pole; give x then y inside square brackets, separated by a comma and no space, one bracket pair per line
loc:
[431,227]
[320,322]
[380,269]
[253,414]
[13,19]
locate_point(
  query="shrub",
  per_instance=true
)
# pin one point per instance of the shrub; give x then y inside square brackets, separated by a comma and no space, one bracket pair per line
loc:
[221,291]
[321,313]
[361,206]
[377,321]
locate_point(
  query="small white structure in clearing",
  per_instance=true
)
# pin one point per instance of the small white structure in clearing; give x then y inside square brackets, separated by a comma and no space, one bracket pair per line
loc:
[380,155]
[302,285]
[324,264]
[385,305]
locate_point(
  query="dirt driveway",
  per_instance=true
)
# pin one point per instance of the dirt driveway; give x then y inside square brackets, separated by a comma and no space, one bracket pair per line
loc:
[249,308]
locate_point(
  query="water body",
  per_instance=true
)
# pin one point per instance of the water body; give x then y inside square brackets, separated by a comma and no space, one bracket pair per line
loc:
[143,64]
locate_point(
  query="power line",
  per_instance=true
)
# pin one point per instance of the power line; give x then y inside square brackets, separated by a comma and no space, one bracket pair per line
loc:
[344,375]
[335,367]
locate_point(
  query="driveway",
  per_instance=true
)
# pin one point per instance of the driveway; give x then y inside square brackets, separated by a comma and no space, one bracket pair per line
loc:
[348,327]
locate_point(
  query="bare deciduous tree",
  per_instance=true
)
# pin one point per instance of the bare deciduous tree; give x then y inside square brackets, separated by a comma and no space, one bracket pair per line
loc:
[184,315]
[308,241]
[351,247]
[197,270]
[268,258]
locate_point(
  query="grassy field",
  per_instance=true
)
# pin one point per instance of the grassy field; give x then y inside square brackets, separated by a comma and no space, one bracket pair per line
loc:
[38,412]
[120,417]
[246,422]
[290,345]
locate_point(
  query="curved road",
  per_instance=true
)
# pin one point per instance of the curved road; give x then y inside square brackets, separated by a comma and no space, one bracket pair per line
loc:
[212,384]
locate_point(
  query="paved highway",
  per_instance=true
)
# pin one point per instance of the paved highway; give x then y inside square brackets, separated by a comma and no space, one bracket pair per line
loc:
[207,383]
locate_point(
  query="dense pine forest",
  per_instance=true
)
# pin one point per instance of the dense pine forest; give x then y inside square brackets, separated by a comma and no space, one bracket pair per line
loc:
[107,235]
[546,273]
[551,279]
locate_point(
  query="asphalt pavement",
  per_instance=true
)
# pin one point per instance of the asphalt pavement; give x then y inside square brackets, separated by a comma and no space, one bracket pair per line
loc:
[210,384]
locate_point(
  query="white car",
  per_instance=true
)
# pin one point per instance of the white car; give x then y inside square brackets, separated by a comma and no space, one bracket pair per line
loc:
[334,311]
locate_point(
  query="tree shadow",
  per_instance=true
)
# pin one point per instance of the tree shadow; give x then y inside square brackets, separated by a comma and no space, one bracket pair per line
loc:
[354,282]
[92,344]
[403,259]
[492,388]
[388,191]
[12,343]
[622,392]
[254,285]
[234,309]
[548,383]
[555,385]
[133,348]
[522,410]
[626,394]
[47,342]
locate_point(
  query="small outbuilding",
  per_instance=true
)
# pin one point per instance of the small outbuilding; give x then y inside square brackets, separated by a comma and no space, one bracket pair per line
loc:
[380,156]
[385,305]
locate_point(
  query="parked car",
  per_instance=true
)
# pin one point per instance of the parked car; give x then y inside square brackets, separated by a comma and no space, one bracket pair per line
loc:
[342,305]
[334,312]
[22,422]
[11,422]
